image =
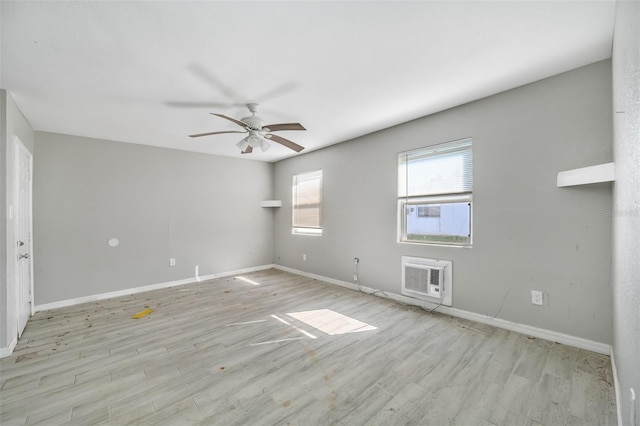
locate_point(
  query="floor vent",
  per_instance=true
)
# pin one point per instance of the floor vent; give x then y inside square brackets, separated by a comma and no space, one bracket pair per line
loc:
[428,279]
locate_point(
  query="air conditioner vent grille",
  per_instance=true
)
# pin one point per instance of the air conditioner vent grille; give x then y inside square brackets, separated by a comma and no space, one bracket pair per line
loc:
[428,279]
[419,279]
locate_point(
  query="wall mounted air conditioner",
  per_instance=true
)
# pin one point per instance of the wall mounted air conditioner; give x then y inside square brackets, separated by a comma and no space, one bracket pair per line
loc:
[427,279]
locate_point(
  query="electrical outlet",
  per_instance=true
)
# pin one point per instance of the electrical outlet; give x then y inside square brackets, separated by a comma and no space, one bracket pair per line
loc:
[304,257]
[172,261]
[536,297]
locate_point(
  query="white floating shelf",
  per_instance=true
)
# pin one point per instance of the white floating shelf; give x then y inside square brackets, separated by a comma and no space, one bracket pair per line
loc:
[586,175]
[271,203]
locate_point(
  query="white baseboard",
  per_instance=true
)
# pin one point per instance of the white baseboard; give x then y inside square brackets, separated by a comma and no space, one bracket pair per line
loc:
[130,291]
[541,333]
[616,386]
[5,352]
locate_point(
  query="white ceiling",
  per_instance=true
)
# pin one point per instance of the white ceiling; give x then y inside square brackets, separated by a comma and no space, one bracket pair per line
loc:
[151,72]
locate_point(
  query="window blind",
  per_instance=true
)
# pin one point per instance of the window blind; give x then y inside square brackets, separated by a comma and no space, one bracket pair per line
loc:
[307,200]
[439,169]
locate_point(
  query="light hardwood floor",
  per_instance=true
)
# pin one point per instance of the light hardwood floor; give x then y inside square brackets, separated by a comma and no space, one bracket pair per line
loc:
[226,351]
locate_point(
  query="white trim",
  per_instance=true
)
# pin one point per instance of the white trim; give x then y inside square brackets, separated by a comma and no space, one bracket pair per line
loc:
[586,175]
[130,291]
[318,277]
[541,333]
[5,352]
[616,386]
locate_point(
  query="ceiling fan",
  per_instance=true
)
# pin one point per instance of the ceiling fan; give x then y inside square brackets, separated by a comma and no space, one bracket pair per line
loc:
[259,133]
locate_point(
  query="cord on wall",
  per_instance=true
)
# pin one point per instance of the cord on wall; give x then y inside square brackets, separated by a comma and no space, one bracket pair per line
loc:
[432,310]
[356,278]
[355,270]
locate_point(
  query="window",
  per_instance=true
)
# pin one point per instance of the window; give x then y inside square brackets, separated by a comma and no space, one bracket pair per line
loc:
[435,194]
[307,203]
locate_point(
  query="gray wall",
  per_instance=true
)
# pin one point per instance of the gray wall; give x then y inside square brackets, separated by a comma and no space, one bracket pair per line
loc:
[626,198]
[13,124]
[528,234]
[160,203]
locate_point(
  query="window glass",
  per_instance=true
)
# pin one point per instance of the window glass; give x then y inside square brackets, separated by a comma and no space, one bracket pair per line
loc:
[307,203]
[448,223]
[435,194]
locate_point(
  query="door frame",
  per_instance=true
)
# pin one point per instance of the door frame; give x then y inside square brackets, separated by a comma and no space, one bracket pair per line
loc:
[20,147]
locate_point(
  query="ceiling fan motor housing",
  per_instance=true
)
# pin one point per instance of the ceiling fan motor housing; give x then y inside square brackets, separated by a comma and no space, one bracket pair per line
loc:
[254,122]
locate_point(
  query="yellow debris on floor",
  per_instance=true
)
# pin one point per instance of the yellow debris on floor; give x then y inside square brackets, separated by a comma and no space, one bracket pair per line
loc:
[142,314]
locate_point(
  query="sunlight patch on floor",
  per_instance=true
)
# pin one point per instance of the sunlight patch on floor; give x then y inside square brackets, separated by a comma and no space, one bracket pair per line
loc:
[245,323]
[294,327]
[247,280]
[275,341]
[331,322]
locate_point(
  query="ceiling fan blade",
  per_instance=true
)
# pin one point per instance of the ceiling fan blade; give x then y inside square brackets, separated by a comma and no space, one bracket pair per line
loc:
[179,104]
[284,126]
[278,91]
[213,133]
[239,123]
[212,80]
[285,142]
[249,150]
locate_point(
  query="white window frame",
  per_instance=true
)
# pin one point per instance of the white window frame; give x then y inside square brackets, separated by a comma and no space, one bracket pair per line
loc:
[306,230]
[463,195]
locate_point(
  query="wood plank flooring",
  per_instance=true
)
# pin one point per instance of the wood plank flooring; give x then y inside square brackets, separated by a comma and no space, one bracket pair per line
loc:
[226,352]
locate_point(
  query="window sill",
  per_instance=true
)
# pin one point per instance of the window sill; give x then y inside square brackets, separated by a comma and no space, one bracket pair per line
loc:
[307,232]
[413,243]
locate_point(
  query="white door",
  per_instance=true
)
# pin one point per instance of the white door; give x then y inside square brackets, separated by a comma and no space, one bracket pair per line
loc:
[23,235]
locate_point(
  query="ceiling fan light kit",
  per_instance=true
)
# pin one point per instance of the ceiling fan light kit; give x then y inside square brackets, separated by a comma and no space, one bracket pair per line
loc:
[259,132]
[254,140]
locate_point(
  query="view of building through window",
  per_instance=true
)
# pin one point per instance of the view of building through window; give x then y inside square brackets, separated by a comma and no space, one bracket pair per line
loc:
[447,223]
